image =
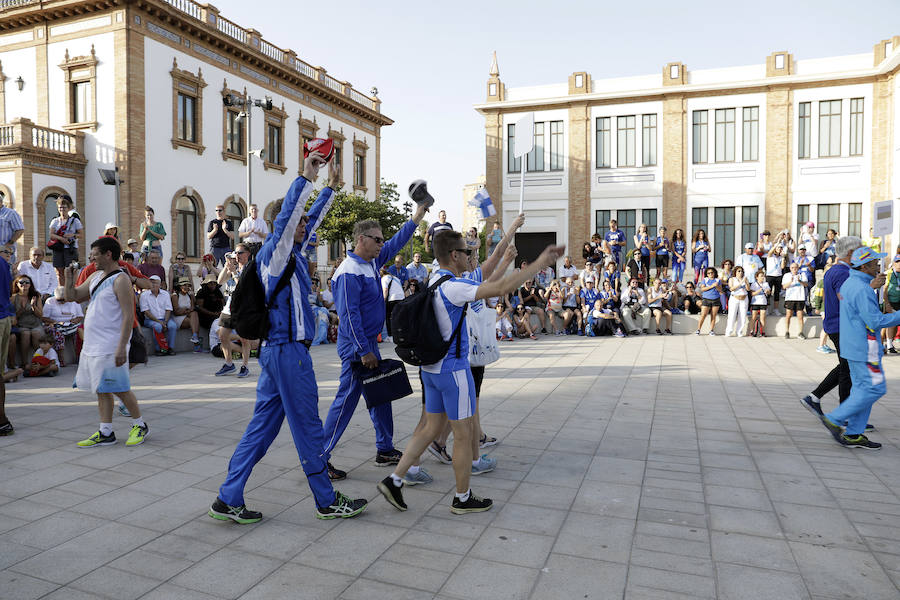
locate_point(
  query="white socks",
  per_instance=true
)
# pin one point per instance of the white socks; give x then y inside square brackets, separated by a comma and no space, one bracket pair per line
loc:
[398,481]
[464,496]
[139,422]
[414,470]
[105,428]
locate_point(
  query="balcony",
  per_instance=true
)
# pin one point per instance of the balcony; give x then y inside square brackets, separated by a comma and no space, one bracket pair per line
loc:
[39,145]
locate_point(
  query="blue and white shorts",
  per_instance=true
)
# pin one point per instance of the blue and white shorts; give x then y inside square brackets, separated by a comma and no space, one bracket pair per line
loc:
[451,393]
[99,374]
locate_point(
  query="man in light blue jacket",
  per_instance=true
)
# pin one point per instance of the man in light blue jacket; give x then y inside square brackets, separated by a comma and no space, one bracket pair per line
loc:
[860,334]
[359,300]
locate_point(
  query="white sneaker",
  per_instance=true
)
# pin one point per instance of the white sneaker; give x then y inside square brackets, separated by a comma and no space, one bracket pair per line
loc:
[712,333]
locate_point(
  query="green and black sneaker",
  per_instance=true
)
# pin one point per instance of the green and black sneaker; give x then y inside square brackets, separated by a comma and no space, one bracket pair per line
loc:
[343,507]
[836,431]
[98,439]
[859,441]
[239,514]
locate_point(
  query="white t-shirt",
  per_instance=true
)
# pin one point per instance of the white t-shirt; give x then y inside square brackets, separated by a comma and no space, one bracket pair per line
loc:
[62,312]
[741,292]
[103,321]
[758,293]
[50,354]
[796,292]
[811,241]
[394,288]
[44,277]
[565,271]
[74,226]
[773,265]
[657,303]
[157,305]
[259,224]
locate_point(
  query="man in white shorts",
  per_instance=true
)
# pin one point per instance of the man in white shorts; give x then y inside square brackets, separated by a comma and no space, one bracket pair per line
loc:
[107,326]
[448,383]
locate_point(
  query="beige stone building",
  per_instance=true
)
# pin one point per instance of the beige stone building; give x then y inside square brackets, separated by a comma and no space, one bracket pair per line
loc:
[139,85]
[733,151]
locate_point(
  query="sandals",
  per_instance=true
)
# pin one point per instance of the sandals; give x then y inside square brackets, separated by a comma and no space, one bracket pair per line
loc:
[486,441]
[440,453]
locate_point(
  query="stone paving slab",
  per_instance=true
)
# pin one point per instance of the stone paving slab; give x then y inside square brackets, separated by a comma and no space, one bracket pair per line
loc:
[645,468]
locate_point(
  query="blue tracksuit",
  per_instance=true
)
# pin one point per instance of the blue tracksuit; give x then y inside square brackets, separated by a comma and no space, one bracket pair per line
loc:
[359,300]
[287,383]
[860,334]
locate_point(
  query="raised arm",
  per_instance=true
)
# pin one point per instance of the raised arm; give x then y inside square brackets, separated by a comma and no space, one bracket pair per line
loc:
[513,280]
[509,255]
[488,266]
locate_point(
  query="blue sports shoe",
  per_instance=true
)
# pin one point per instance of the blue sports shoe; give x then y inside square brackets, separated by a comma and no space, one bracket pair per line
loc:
[421,477]
[484,465]
[244,372]
[226,370]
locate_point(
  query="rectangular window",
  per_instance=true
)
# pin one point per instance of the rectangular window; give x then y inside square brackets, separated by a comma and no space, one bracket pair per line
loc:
[829,128]
[536,156]
[751,133]
[699,220]
[556,146]
[648,140]
[359,170]
[186,118]
[804,128]
[648,218]
[626,222]
[81,102]
[625,145]
[234,133]
[854,219]
[603,142]
[856,126]
[724,234]
[724,135]
[700,135]
[513,164]
[274,150]
[601,221]
[829,217]
[749,225]
[802,218]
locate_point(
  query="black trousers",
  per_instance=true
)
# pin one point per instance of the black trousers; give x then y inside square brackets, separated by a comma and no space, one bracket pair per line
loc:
[838,377]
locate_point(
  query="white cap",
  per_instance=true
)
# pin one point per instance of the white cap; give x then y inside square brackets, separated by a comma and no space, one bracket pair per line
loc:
[748,245]
[155,278]
[110,226]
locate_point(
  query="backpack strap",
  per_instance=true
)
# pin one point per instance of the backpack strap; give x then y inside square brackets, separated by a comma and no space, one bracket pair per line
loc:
[105,277]
[462,318]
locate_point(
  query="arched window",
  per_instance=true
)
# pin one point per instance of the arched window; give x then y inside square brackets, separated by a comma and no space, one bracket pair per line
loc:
[234,212]
[186,226]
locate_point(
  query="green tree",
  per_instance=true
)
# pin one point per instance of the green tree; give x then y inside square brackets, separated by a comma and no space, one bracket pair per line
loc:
[347,209]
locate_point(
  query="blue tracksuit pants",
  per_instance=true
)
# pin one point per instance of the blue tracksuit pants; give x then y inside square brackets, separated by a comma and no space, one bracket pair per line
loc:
[868,386]
[286,388]
[344,405]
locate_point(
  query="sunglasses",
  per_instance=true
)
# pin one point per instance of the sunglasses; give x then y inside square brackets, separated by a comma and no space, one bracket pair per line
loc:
[374,238]
[24,282]
[241,252]
[468,251]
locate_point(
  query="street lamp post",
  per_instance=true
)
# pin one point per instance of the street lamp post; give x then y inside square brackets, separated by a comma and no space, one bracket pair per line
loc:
[407,210]
[247,104]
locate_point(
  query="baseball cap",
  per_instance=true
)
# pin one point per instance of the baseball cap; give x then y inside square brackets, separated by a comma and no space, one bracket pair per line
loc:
[323,145]
[155,278]
[748,245]
[810,224]
[801,247]
[865,255]
[896,258]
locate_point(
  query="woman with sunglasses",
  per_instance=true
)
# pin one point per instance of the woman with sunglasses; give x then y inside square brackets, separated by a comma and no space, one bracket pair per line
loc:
[179,270]
[29,309]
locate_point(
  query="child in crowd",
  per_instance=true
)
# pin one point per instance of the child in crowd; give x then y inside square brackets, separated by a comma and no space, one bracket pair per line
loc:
[45,361]
[504,326]
[759,300]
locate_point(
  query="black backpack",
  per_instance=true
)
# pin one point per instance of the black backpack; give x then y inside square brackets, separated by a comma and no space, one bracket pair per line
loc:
[415,328]
[249,310]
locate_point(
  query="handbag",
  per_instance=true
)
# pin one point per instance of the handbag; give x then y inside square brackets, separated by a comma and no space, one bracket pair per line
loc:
[383,384]
[137,351]
[56,244]
[483,348]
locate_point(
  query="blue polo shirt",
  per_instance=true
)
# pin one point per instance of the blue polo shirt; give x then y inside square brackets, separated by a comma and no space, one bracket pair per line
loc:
[402,274]
[833,280]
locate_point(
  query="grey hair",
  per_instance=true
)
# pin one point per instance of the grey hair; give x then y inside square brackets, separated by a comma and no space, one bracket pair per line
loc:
[364,226]
[846,245]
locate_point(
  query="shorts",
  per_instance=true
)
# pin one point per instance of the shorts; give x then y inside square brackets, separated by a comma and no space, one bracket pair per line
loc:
[99,374]
[759,306]
[662,261]
[795,305]
[710,302]
[225,321]
[63,258]
[450,393]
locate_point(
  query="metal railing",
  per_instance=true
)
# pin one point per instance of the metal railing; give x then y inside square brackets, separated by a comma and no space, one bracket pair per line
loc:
[186,6]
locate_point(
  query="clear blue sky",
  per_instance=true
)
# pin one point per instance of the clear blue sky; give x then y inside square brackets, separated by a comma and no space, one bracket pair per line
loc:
[430,60]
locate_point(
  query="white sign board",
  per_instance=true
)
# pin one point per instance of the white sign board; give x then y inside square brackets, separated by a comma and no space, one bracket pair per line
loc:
[524,135]
[883,223]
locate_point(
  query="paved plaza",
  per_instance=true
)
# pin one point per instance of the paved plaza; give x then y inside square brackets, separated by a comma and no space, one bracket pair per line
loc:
[645,468]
